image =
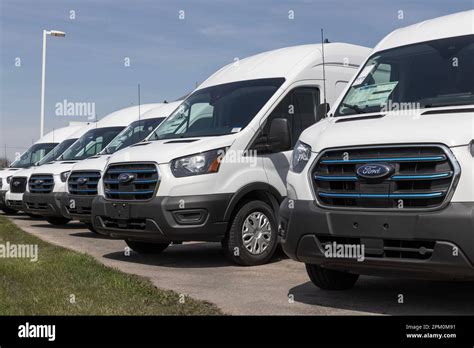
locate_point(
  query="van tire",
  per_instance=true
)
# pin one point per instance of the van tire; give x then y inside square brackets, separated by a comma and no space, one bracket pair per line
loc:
[9,211]
[90,227]
[146,247]
[33,216]
[57,221]
[328,279]
[234,241]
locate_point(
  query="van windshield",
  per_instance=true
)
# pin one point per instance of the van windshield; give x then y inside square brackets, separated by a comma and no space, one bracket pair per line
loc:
[91,143]
[34,154]
[218,110]
[135,132]
[57,151]
[424,75]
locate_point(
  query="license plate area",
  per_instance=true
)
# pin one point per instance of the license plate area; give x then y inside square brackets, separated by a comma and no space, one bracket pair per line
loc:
[119,211]
[373,225]
[79,204]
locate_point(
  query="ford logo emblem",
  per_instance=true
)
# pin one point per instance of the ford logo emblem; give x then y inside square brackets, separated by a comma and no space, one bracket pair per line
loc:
[125,178]
[374,171]
[16,183]
[82,180]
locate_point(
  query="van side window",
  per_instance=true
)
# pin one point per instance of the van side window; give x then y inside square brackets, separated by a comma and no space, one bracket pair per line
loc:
[299,107]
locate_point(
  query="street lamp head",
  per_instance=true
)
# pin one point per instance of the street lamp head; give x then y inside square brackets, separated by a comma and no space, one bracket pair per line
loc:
[57,33]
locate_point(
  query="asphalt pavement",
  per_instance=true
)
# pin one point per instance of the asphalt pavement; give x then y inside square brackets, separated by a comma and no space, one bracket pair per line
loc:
[200,270]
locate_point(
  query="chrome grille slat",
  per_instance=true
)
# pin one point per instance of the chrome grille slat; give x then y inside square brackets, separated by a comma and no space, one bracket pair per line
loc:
[422,177]
[41,183]
[142,187]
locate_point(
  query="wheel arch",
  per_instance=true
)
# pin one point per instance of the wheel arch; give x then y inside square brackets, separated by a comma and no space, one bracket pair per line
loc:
[254,191]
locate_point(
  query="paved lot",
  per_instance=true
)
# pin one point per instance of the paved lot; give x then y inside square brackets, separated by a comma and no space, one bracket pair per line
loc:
[200,270]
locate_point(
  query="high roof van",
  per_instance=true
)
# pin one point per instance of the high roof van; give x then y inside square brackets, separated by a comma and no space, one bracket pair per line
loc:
[386,184]
[32,156]
[19,180]
[215,170]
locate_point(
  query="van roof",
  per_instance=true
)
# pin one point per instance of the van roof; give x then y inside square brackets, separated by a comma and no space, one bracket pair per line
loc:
[123,117]
[162,110]
[59,135]
[456,24]
[287,62]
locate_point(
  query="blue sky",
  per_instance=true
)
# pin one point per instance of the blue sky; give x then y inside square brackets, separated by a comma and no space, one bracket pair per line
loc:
[168,55]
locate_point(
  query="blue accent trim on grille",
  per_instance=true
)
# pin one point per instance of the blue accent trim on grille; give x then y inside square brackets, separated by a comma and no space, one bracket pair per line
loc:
[41,178]
[387,159]
[119,171]
[129,193]
[421,176]
[380,195]
[395,177]
[335,178]
[135,181]
[39,189]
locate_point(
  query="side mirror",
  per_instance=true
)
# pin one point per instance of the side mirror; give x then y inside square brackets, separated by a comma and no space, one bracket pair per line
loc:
[322,111]
[279,138]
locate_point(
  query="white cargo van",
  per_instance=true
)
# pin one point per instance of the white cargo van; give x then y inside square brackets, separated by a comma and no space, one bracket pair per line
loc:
[46,186]
[215,169]
[31,156]
[82,181]
[385,186]
[19,180]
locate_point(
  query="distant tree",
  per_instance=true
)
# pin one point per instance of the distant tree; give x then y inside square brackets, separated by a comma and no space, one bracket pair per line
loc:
[4,162]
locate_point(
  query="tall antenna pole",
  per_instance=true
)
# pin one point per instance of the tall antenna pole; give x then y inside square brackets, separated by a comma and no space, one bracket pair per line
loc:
[324,66]
[139,114]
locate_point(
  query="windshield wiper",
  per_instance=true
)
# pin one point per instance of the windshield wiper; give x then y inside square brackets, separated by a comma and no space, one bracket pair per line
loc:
[354,107]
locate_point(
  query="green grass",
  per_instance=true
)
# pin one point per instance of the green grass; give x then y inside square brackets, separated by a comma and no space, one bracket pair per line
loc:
[45,287]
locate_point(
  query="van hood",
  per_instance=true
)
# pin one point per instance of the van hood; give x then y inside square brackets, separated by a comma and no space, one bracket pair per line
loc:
[24,172]
[93,163]
[164,151]
[452,127]
[5,173]
[55,168]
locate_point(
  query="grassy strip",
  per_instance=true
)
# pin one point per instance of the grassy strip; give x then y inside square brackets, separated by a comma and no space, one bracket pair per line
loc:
[47,286]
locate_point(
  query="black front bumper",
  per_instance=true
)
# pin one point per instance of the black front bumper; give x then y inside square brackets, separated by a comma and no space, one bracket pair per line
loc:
[44,204]
[164,219]
[391,239]
[76,207]
[14,204]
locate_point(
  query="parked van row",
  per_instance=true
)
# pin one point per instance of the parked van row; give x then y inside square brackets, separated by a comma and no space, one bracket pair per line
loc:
[32,156]
[318,146]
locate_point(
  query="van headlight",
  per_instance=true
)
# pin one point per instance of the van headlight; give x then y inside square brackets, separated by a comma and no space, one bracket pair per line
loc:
[1,183]
[197,164]
[9,179]
[299,158]
[471,147]
[64,175]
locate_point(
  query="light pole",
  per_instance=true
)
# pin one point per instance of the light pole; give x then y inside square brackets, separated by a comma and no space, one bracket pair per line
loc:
[43,71]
